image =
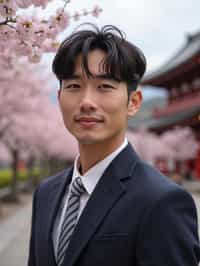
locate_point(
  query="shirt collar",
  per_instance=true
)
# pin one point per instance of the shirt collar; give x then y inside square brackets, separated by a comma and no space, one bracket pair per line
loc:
[93,175]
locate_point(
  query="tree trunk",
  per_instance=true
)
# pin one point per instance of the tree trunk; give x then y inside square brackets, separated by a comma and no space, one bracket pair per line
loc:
[14,195]
[33,179]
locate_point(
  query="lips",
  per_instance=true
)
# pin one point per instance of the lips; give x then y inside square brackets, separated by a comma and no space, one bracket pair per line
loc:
[88,121]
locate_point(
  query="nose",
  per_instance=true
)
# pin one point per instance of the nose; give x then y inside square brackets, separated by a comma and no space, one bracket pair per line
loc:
[88,103]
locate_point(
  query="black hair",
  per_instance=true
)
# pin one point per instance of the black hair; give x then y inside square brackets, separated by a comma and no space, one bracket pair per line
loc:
[124,61]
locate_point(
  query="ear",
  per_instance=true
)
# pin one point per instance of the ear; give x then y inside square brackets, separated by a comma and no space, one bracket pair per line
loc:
[135,101]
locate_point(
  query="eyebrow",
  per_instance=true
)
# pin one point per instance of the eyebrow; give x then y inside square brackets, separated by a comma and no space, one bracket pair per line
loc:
[99,76]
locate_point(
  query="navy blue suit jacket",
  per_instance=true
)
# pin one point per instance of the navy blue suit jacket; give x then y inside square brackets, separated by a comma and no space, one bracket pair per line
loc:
[135,216]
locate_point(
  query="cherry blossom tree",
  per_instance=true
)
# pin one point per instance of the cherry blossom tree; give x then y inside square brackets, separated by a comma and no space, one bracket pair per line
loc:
[182,141]
[5,156]
[29,122]
[148,145]
[22,34]
[184,145]
[176,144]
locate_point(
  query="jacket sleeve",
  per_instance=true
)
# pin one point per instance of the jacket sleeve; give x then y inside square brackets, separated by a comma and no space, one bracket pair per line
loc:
[31,257]
[169,232]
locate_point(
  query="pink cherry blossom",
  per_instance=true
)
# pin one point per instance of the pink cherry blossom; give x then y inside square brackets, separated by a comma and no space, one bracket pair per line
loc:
[175,144]
[25,34]
[76,16]
[61,20]
[96,11]
[8,8]
[24,3]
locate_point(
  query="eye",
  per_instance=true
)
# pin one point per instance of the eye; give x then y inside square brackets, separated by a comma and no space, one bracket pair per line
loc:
[72,86]
[106,86]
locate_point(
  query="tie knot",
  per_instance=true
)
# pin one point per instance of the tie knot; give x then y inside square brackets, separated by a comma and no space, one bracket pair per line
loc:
[77,187]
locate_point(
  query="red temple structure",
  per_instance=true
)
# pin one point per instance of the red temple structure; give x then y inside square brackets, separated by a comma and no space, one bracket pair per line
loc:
[181,77]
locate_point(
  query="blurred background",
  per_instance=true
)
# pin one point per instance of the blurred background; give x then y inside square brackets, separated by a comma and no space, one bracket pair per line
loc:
[33,140]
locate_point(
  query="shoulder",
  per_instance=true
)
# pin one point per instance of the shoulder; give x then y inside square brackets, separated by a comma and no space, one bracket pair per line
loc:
[52,181]
[154,187]
[162,197]
[169,217]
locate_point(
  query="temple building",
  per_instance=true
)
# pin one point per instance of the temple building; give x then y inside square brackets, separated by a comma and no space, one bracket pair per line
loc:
[180,76]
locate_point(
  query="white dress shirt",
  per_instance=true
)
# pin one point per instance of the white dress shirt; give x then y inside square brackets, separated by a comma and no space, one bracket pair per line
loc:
[89,180]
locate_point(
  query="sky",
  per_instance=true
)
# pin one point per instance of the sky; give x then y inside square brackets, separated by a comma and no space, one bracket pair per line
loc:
[158,27]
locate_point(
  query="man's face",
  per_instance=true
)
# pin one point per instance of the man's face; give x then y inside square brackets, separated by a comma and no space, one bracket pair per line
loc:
[95,110]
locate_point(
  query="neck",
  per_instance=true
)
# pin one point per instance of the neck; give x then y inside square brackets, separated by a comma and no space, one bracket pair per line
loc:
[90,154]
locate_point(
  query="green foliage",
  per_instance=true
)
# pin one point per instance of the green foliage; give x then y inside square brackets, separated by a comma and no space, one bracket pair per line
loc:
[23,175]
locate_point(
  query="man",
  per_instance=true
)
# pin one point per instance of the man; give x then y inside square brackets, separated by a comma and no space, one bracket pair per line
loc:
[110,208]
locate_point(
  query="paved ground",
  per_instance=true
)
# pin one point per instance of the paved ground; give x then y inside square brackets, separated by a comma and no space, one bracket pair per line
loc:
[14,236]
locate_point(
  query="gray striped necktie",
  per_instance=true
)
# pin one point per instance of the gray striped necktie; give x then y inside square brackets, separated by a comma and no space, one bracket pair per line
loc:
[70,218]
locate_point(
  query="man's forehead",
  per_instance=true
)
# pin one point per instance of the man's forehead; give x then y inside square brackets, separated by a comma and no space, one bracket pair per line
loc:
[94,67]
[94,71]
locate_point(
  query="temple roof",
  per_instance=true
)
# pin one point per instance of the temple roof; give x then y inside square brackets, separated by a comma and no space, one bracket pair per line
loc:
[183,105]
[157,113]
[188,51]
[146,111]
[155,123]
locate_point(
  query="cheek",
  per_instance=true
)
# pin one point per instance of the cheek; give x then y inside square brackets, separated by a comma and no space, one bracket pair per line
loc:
[67,107]
[115,106]
[67,113]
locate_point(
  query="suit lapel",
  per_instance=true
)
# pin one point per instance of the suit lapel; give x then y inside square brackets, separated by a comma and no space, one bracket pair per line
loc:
[55,196]
[107,193]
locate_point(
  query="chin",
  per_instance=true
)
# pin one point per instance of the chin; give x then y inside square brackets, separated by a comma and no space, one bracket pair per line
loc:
[88,140]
